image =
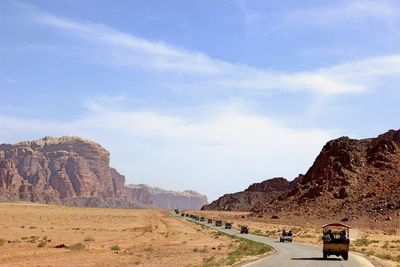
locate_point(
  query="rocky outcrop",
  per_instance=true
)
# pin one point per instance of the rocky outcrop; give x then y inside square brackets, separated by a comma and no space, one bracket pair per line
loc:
[350,178]
[67,170]
[167,199]
[256,194]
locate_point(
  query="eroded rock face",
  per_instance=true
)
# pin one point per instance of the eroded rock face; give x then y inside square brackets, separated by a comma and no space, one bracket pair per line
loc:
[75,171]
[349,179]
[53,170]
[167,199]
[255,195]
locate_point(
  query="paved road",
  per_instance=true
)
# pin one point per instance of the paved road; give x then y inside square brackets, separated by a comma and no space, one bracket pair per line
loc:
[294,254]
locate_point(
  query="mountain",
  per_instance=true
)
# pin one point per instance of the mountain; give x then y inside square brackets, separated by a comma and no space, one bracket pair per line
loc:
[254,195]
[167,199]
[73,171]
[350,178]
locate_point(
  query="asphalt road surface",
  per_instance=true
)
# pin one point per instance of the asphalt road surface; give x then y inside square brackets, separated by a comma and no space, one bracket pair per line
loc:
[293,254]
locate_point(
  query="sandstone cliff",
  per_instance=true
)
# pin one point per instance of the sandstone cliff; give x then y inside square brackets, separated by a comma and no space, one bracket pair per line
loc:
[167,199]
[256,194]
[349,179]
[73,171]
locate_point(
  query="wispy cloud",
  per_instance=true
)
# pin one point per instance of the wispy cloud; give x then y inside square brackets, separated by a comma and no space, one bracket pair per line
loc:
[12,81]
[326,14]
[125,49]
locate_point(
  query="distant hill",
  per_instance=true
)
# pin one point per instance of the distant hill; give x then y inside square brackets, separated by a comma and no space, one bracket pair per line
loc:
[167,199]
[350,178]
[75,171]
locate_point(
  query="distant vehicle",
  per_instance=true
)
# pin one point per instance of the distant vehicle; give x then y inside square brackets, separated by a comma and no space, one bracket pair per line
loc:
[228,225]
[176,211]
[196,218]
[286,236]
[244,229]
[182,214]
[218,222]
[336,240]
[202,219]
[187,215]
[209,221]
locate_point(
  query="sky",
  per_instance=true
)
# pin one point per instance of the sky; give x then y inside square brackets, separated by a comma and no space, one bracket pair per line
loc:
[203,95]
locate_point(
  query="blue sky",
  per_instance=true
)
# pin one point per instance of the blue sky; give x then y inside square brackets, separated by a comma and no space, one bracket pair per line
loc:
[203,95]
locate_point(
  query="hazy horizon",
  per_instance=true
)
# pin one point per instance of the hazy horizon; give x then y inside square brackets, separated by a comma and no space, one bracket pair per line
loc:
[208,96]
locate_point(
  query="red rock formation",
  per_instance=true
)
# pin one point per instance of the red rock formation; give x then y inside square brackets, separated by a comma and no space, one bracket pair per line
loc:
[70,170]
[349,179]
[254,195]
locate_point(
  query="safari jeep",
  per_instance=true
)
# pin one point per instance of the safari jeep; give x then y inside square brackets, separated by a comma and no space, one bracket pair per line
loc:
[218,223]
[244,229]
[336,240]
[286,236]
[228,225]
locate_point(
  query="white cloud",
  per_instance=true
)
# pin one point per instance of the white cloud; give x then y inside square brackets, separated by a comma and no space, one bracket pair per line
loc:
[122,49]
[218,153]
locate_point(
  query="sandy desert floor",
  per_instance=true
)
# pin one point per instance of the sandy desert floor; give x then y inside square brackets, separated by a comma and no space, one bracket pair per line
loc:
[382,246]
[29,234]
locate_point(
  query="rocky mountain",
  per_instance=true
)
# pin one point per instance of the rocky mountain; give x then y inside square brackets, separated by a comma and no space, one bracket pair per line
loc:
[73,171]
[167,199]
[349,178]
[256,194]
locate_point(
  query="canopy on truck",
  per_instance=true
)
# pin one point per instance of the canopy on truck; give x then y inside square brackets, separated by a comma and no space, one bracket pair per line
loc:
[336,225]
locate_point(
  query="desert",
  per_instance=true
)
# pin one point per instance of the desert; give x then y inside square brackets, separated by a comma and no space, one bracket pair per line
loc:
[48,235]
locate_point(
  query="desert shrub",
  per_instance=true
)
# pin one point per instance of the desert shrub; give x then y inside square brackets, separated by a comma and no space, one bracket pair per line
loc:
[203,250]
[361,242]
[195,250]
[386,245]
[385,256]
[2,242]
[209,261]
[115,248]
[149,249]
[89,238]
[77,246]
[42,244]
[369,253]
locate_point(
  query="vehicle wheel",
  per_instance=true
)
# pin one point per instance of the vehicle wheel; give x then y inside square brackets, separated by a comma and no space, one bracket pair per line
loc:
[325,255]
[345,256]
[280,240]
